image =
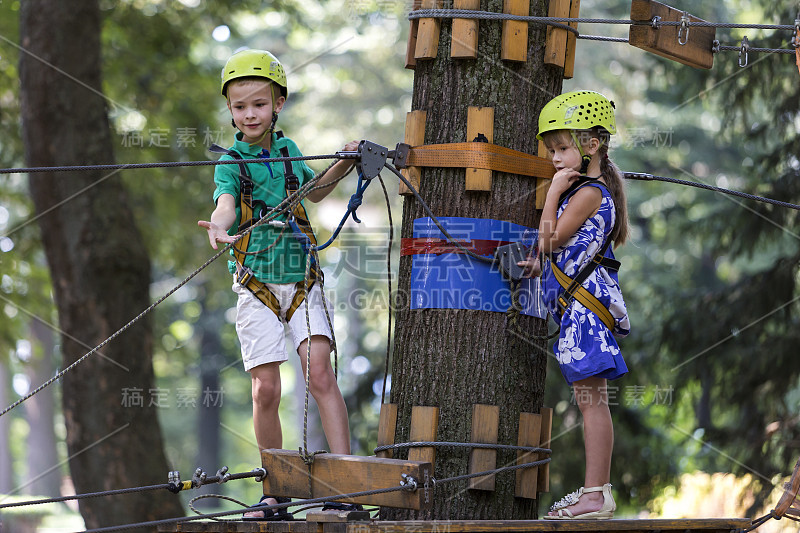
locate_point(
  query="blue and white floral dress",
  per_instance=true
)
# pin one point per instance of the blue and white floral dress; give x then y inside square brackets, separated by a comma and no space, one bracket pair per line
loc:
[585,346]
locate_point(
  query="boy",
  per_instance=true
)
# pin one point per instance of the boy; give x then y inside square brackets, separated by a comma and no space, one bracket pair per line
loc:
[267,282]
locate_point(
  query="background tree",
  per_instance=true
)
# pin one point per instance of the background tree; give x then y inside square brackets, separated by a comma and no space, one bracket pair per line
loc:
[97,261]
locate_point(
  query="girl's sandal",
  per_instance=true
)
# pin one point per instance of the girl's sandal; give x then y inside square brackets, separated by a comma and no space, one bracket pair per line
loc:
[604,513]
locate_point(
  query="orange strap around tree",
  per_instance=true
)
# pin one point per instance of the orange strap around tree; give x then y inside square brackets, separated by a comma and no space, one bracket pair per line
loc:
[480,155]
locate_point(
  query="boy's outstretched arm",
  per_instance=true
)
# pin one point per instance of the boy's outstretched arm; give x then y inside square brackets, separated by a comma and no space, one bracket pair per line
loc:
[334,173]
[222,218]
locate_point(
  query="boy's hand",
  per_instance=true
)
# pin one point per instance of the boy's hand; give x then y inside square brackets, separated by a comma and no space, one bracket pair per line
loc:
[532,266]
[216,233]
[352,146]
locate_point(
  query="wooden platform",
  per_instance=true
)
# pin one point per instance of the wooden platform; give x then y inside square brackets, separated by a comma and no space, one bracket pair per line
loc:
[687,525]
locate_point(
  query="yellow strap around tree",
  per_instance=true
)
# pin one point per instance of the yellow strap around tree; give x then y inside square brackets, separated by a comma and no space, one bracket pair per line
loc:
[587,299]
[480,155]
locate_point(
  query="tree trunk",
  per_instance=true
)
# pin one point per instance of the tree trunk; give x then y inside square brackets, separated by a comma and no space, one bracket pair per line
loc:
[98,263]
[44,472]
[452,358]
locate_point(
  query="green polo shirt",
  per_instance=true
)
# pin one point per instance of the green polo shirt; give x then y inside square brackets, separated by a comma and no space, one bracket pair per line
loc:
[285,262]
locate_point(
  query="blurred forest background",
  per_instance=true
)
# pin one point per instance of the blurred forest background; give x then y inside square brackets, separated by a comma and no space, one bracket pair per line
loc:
[706,423]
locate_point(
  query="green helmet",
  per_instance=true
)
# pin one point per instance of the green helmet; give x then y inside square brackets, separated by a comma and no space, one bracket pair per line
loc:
[577,110]
[254,63]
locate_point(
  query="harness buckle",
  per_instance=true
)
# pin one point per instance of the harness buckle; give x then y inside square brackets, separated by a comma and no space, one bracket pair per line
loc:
[244,275]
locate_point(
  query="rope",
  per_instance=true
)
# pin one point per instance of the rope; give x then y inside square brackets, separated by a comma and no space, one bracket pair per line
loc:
[389,281]
[300,193]
[446,444]
[169,164]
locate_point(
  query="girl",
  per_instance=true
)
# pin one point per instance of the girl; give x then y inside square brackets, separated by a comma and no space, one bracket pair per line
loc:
[584,212]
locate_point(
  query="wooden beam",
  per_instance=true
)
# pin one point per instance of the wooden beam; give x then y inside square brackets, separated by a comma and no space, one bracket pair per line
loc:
[333,474]
[464,39]
[415,136]
[424,423]
[514,40]
[542,184]
[543,481]
[411,47]
[572,40]
[555,51]
[530,432]
[387,425]
[480,121]
[664,41]
[428,33]
[485,424]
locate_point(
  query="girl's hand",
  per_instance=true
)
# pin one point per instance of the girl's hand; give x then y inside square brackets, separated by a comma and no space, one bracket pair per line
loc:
[532,266]
[563,179]
[216,233]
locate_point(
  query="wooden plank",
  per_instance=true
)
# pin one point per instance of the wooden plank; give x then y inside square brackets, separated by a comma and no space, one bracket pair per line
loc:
[514,40]
[411,47]
[530,432]
[663,41]
[542,184]
[485,425]
[480,120]
[415,136]
[664,525]
[387,425]
[555,51]
[543,480]
[424,423]
[572,40]
[428,33]
[336,516]
[464,39]
[334,474]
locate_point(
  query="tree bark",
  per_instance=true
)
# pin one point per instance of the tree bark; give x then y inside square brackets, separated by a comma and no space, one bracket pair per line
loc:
[456,358]
[98,263]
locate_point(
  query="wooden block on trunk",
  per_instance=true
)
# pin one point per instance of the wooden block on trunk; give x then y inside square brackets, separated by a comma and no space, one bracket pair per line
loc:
[411,47]
[572,40]
[480,121]
[485,424]
[424,423]
[464,39]
[514,43]
[530,433]
[428,33]
[666,40]
[555,52]
[415,136]
[543,481]
[387,425]
[334,474]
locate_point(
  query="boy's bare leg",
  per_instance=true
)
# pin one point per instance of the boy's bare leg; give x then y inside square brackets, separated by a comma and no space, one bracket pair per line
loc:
[332,409]
[266,384]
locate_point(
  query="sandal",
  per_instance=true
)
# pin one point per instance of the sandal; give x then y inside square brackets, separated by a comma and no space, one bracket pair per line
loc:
[604,513]
[270,515]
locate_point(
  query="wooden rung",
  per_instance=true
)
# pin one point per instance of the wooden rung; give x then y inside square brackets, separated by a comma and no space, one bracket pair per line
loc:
[543,481]
[555,52]
[530,432]
[572,40]
[542,184]
[415,136]
[387,425]
[333,474]
[411,47]
[424,423]
[464,39]
[663,41]
[514,41]
[480,121]
[485,424]
[428,33]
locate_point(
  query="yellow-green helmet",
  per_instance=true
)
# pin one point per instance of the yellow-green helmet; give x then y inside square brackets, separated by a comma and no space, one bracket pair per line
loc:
[577,110]
[254,63]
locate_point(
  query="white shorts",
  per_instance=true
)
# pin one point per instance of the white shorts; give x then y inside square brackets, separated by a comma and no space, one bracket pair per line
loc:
[261,333]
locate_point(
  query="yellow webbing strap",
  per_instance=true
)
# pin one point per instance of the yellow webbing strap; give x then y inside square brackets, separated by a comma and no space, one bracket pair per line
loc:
[480,155]
[299,297]
[586,298]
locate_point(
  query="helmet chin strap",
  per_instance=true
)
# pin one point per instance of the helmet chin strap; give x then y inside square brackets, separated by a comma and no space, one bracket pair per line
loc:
[585,158]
